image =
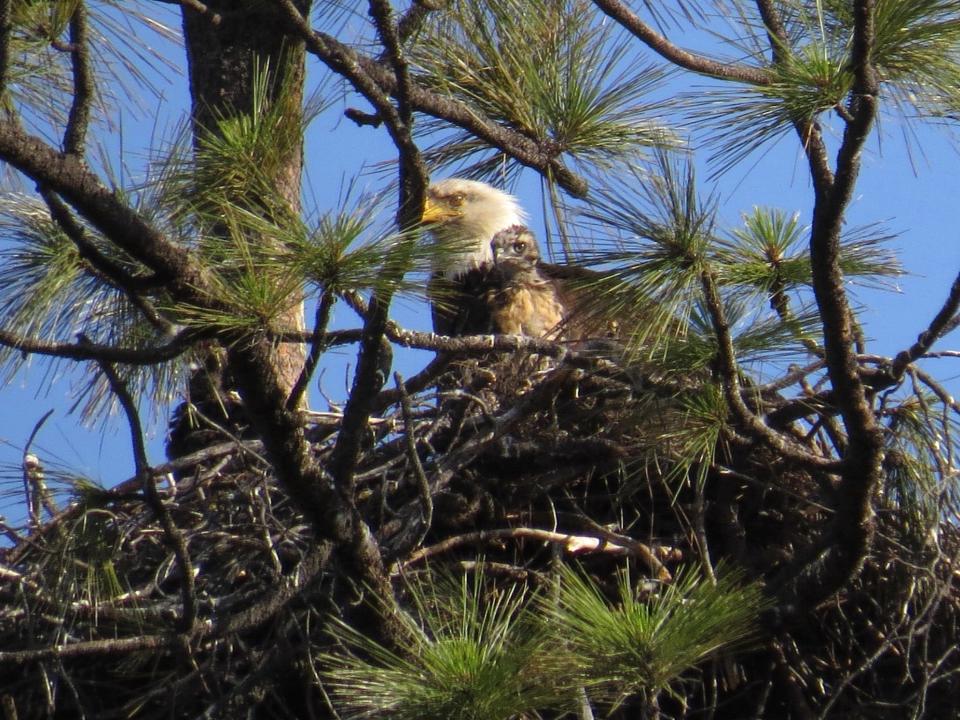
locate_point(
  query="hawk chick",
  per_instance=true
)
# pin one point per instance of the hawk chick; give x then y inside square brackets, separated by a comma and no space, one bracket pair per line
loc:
[524,300]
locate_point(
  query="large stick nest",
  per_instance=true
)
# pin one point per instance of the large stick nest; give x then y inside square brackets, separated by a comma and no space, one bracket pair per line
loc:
[524,463]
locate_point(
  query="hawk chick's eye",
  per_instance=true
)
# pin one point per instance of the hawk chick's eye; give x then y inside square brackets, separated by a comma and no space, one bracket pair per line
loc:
[519,246]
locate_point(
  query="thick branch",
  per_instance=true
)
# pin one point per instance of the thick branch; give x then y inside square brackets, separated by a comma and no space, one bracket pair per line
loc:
[843,550]
[370,376]
[330,510]
[413,18]
[75,135]
[69,178]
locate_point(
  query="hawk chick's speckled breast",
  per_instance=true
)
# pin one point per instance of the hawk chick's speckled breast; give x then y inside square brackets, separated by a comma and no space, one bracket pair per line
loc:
[523,299]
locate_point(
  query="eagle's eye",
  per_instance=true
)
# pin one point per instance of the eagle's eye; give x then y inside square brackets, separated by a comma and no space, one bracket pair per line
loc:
[456,200]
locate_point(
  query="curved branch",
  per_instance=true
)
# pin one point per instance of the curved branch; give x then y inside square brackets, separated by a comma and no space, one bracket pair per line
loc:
[74,137]
[729,376]
[937,329]
[701,64]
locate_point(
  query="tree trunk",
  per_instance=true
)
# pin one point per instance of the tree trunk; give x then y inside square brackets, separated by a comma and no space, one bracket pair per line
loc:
[225,46]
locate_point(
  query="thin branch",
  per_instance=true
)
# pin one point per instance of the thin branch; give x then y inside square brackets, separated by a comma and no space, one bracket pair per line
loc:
[412,171]
[682,58]
[74,137]
[421,381]
[248,619]
[319,342]
[73,181]
[937,328]
[91,648]
[730,378]
[179,344]
[147,475]
[106,267]
[573,544]
[113,270]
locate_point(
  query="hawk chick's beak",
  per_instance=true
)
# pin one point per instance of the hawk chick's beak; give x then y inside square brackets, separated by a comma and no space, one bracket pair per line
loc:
[434,212]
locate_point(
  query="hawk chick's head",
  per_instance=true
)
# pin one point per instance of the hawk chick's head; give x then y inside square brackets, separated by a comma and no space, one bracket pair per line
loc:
[515,251]
[463,216]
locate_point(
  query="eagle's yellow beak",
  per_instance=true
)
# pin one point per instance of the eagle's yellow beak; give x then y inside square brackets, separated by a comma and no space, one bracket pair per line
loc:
[434,212]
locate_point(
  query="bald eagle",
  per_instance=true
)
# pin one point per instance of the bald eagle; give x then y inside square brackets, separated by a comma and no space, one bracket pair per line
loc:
[463,216]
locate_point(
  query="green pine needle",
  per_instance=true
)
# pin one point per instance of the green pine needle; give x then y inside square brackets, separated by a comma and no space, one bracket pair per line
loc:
[642,640]
[550,71]
[476,655]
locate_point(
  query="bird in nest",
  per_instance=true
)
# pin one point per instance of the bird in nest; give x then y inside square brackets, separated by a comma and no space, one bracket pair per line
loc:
[488,275]
[463,216]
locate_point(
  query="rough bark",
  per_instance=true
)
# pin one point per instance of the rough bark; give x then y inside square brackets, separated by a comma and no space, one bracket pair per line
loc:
[223,56]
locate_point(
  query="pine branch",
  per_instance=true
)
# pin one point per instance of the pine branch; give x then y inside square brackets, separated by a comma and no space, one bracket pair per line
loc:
[369,378]
[701,64]
[74,137]
[730,377]
[103,208]
[940,324]
[347,62]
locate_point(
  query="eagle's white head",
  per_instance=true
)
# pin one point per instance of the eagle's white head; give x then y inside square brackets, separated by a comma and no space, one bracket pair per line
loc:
[463,216]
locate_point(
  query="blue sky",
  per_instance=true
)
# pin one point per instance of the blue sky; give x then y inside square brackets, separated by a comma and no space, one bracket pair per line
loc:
[911,189]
